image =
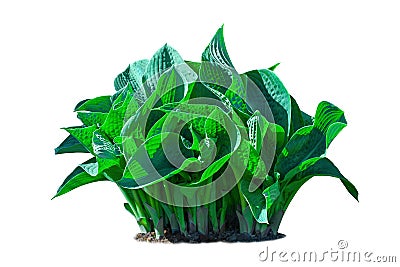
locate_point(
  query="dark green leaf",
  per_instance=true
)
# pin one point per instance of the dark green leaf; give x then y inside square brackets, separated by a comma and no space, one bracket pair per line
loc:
[98,104]
[102,147]
[149,164]
[308,142]
[133,74]
[162,60]
[326,115]
[216,50]
[78,178]
[89,118]
[278,99]
[122,109]
[272,68]
[83,135]
[296,120]
[70,145]
[297,177]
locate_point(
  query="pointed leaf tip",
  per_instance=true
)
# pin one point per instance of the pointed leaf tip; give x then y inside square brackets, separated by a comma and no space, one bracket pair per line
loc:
[216,51]
[273,67]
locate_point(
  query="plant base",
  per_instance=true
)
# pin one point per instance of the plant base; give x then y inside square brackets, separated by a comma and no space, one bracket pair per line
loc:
[227,236]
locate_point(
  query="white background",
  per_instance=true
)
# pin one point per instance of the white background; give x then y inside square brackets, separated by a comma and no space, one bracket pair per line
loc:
[55,53]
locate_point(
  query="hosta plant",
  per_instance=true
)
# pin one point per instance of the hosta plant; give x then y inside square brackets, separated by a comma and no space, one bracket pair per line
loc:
[198,149]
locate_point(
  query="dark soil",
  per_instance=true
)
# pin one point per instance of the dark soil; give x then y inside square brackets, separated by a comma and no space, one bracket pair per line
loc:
[227,236]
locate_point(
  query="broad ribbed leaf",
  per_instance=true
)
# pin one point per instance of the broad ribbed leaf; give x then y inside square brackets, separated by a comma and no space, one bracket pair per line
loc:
[263,133]
[308,142]
[83,135]
[98,104]
[70,145]
[78,178]
[216,50]
[133,74]
[312,141]
[122,107]
[150,163]
[102,147]
[333,130]
[171,87]
[297,177]
[89,118]
[225,83]
[278,99]
[326,115]
[162,60]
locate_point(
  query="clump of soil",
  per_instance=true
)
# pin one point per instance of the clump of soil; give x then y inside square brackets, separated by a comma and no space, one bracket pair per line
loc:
[229,236]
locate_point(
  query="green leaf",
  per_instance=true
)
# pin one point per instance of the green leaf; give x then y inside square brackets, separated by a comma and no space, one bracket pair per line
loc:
[306,170]
[272,68]
[171,87]
[122,108]
[89,118]
[133,74]
[275,94]
[78,178]
[296,117]
[264,134]
[216,50]
[225,83]
[326,115]
[70,145]
[333,130]
[150,163]
[98,104]
[131,81]
[130,210]
[306,143]
[271,193]
[83,135]
[162,60]
[312,141]
[195,66]
[308,120]
[157,221]
[102,147]
[250,186]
